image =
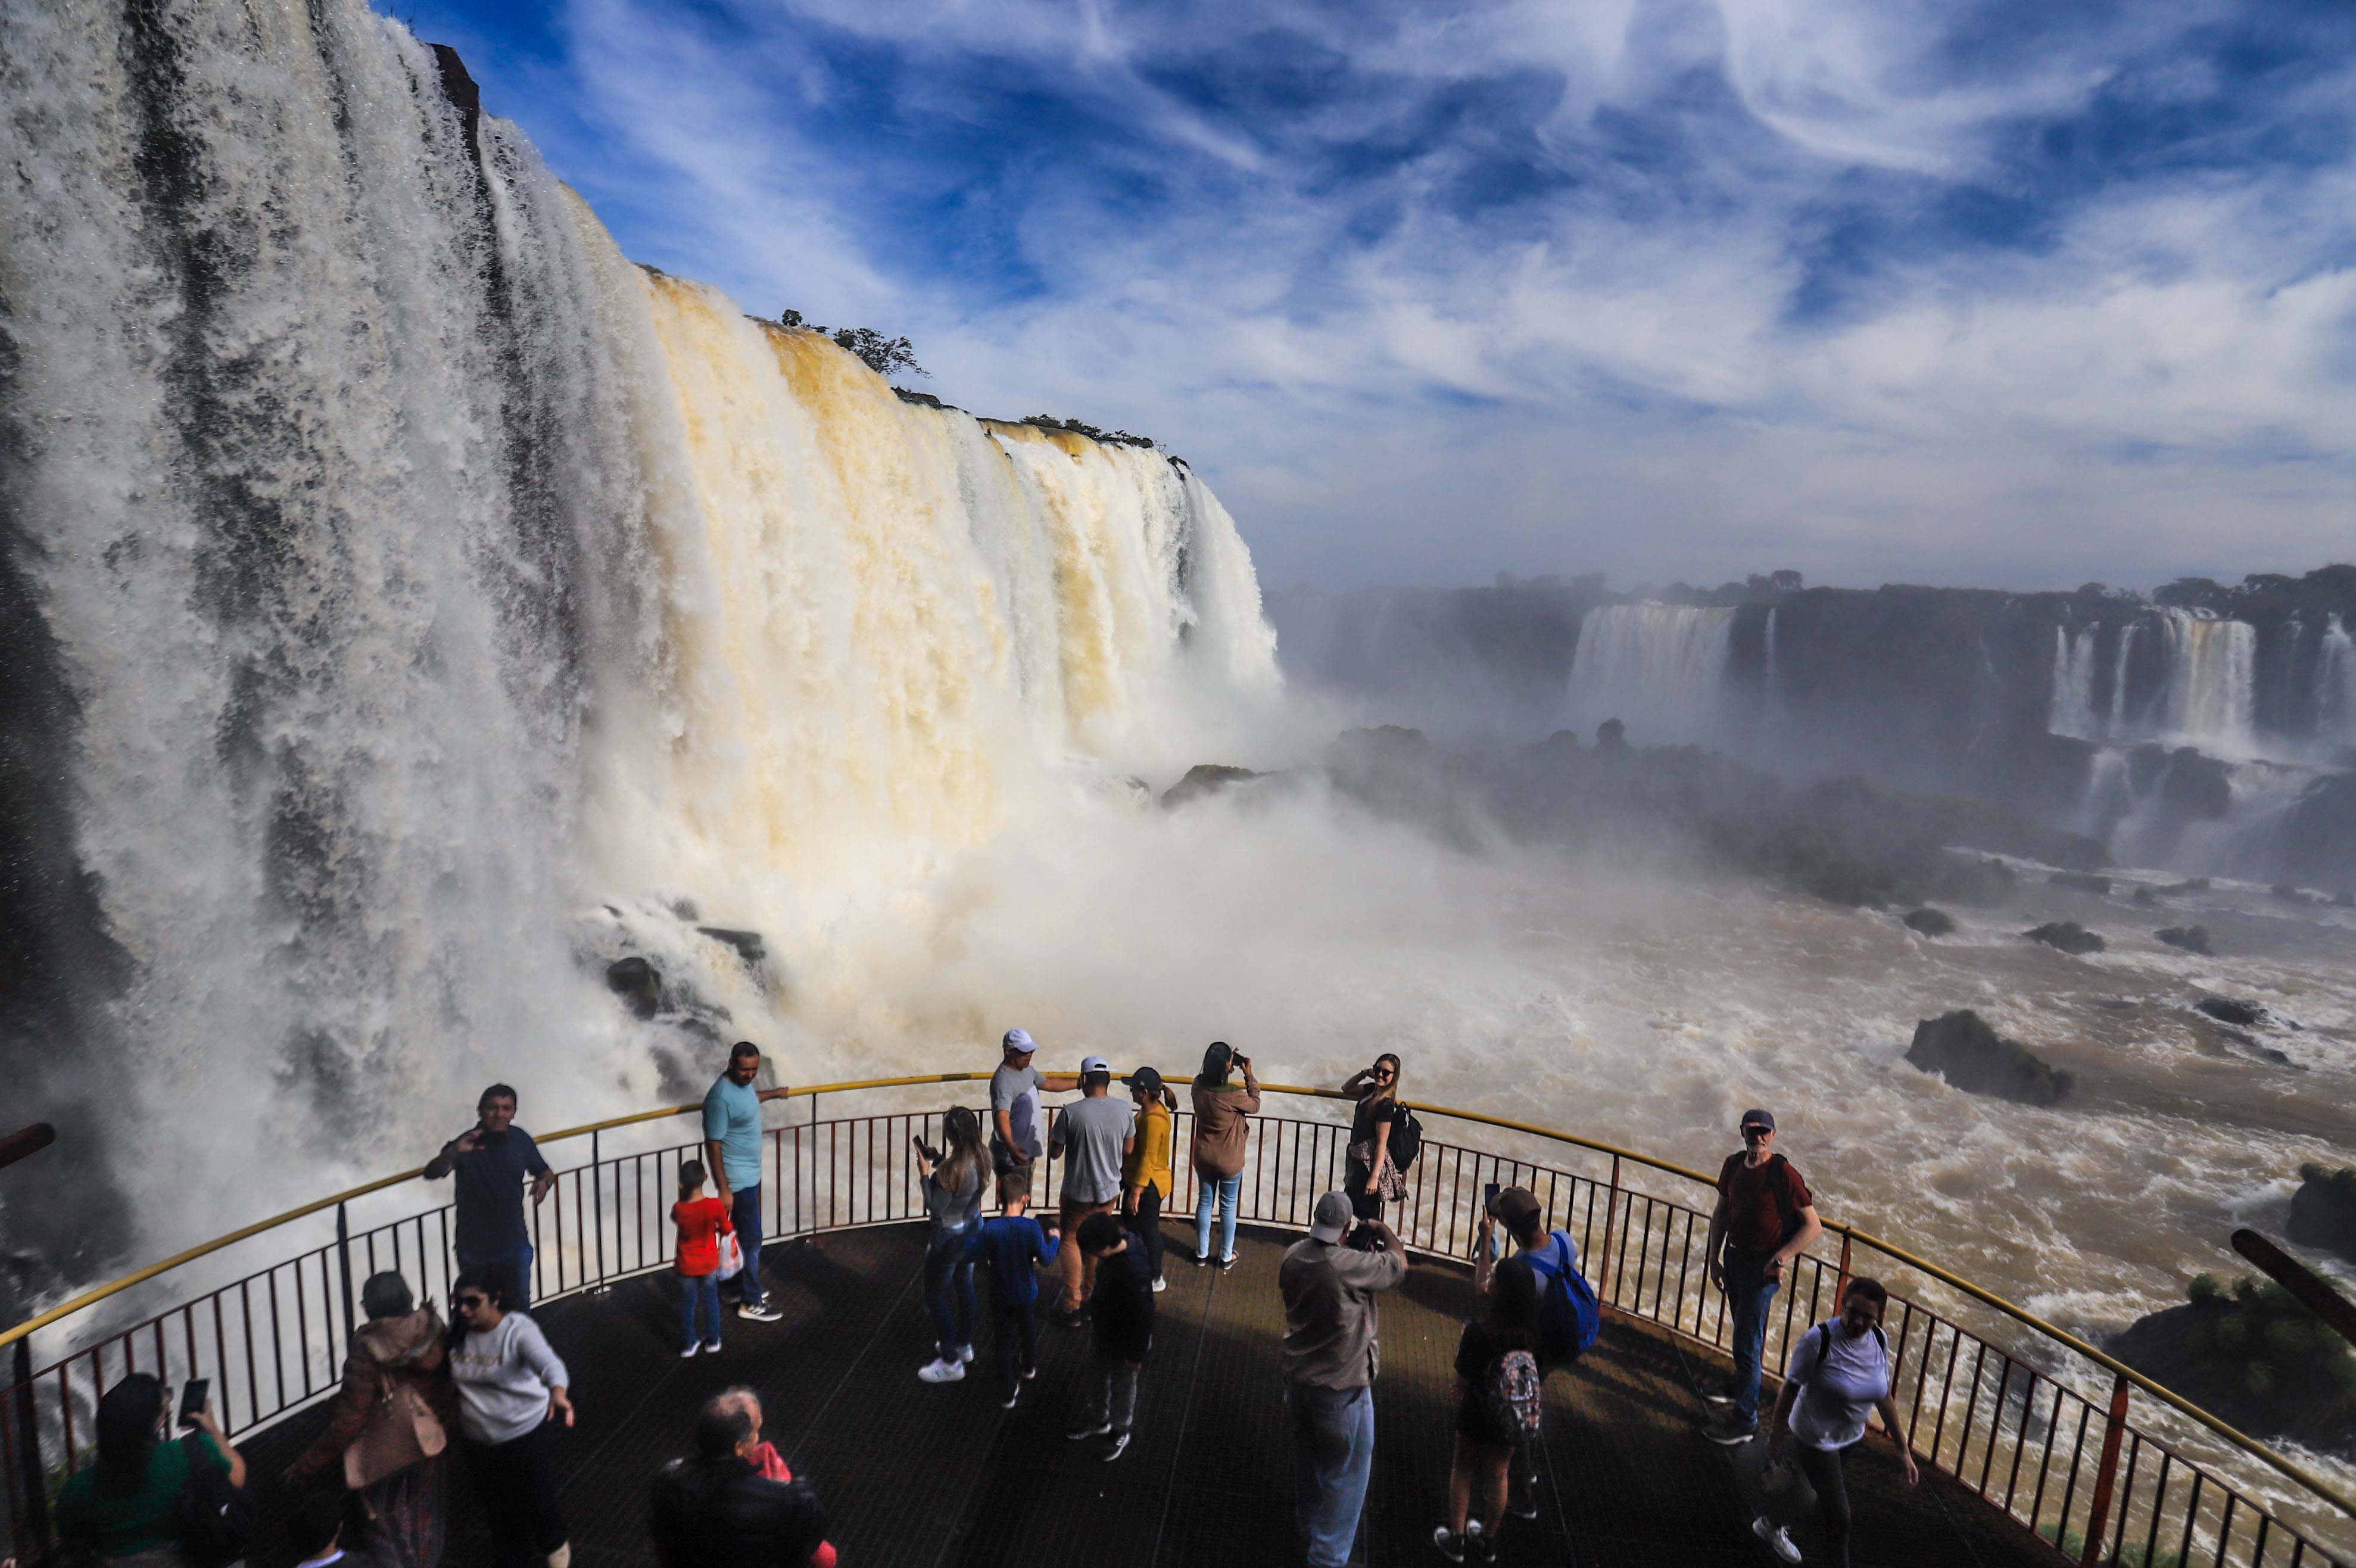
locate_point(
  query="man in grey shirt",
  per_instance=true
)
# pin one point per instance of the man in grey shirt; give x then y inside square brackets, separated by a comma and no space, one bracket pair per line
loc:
[1092,1137]
[1018,1124]
[1331,1355]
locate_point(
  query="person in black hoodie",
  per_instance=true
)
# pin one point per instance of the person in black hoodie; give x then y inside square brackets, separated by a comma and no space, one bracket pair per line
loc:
[719,1509]
[1122,1309]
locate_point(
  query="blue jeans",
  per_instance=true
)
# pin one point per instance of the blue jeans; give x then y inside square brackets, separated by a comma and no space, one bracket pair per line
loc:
[949,1291]
[744,1213]
[1332,1458]
[1747,1293]
[699,1298]
[1221,1192]
[512,1269]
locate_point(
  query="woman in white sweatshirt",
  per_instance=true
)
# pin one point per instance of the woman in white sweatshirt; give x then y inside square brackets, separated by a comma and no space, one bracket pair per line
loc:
[511,1392]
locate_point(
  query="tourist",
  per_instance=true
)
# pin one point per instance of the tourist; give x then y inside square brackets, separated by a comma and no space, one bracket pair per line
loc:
[1839,1375]
[1330,1357]
[1370,1176]
[126,1508]
[701,1223]
[1146,1178]
[1220,1138]
[732,1151]
[511,1390]
[1018,1125]
[1093,1135]
[1497,1392]
[1122,1304]
[492,1159]
[734,1505]
[1015,1248]
[953,1185]
[314,1529]
[1763,1220]
[390,1426]
[1553,1255]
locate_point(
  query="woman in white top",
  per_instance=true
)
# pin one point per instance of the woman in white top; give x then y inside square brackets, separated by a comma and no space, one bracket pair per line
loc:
[512,1392]
[1839,1375]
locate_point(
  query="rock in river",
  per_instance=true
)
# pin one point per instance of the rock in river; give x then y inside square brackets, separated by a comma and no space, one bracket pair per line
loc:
[1971,1056]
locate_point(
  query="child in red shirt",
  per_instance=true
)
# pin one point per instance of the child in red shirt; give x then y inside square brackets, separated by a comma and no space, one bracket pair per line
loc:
[701,1222]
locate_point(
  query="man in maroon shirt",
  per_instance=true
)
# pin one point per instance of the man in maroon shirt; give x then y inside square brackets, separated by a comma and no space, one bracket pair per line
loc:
[1765,1216]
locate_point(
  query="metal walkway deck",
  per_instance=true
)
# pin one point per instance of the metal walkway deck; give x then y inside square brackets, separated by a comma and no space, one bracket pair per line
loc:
[916,1476]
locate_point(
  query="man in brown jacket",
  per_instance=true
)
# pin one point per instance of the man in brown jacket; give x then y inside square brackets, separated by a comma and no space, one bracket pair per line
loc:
[1220,1140]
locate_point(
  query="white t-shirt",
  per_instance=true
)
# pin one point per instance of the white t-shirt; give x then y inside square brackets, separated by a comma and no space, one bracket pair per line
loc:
[1016,1091]
[1836,1396]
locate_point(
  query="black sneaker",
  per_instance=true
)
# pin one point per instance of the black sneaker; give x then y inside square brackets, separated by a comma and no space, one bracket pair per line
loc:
[1729,1431]
[1063,1320]
[1081,1435]
[1227,1263]
[1117,1447]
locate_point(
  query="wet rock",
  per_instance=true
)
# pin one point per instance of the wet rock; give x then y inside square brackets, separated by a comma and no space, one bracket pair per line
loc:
[2068,936]
[2289,893]
[2191,938]
[2189,885]
[2242,1015]
[2082,881]
[747,944]
[2344,899]
[2323,1209]
[2144,898]
[1981,884]
[685,908]
[1931,922]
[1205,779]
[2254,1356]
[1961,1048]
[1611,736]
[637,982]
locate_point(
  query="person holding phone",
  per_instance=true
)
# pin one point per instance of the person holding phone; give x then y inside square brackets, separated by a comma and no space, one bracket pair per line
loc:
[1368,1176]
[953,1184]
[1221,1141]
[511,1394]
[492,1161]
[126,1508]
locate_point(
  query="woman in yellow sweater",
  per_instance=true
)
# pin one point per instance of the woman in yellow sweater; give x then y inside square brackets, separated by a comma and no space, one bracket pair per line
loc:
[1145,1175]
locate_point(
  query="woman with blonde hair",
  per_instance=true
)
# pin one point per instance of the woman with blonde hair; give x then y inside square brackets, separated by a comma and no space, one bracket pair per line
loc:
[953,1185]
[1370,1176]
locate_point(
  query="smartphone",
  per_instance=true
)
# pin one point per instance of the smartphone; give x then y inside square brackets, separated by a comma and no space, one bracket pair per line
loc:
[1489,1207]
[193,1397]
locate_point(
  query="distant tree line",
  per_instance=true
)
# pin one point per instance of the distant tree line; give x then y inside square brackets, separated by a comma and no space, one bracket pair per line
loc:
[1103,437]
[887,357]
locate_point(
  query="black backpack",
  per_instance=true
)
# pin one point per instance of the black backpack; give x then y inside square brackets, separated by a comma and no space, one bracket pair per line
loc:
[1407,1139]
[214,1519]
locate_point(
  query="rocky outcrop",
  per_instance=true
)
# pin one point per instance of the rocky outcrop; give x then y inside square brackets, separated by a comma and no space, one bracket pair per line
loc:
[748,944]
[2067,936]
[2323,1209]
[2254,1356]
[2191,938]
[2243,1015]
[1970,1055]
[1931,922]
[637,982]
[1981,883]
[1205,779]
[2082,881]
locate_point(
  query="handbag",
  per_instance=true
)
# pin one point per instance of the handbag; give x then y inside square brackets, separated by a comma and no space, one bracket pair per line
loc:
[1389,1184]
[401,1431]
[731,1256]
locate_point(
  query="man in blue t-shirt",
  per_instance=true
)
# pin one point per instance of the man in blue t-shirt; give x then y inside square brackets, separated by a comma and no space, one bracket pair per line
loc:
[491,1160]
[732,1147]
[1015,1248]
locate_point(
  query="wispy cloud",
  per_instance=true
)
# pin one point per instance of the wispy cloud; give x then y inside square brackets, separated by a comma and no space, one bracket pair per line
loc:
[1997,292]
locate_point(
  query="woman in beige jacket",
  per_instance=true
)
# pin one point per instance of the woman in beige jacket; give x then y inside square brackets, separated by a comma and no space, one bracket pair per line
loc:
[1220,1139]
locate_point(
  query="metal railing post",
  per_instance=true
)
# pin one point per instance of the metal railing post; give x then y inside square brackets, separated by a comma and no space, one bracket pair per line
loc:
[1611,1214]
[2107,1475]
[344,1265]
[598,1201]
[1840,1283]
[36,1520]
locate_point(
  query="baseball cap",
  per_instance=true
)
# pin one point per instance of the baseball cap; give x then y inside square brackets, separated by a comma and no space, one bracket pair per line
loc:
[1764,1120]
[1145,1078]
[1094,1064]
[1020,1040]
[1331,1219]
[1517,1206]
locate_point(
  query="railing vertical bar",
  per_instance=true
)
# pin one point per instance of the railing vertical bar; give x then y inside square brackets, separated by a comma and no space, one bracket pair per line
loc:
[2077,1454]
[2192,1516]
[2159,1506]
[2106,1473]
[2125,1507]
[2020,1440]
[597,1199]
[1995,1420]
[2225,1527]
[2045,1460]
[35,1521]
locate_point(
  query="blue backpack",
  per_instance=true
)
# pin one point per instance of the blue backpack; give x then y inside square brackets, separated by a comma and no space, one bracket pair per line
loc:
[1569,1314]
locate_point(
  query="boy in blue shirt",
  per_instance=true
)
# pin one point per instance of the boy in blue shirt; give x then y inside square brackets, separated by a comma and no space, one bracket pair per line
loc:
[1015,1248]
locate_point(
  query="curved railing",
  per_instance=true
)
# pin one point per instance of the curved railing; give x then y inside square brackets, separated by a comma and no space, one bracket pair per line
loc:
[2042,1426]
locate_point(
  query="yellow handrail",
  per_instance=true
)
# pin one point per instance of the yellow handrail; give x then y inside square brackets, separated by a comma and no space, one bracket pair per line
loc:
[1987,1297]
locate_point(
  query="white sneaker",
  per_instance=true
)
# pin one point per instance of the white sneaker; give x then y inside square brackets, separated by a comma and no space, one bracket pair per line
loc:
[1008,1402]
[759,1312]
[965,1354]
[1160,1284]
[1777,1538]
[690,1350]
[940,1371]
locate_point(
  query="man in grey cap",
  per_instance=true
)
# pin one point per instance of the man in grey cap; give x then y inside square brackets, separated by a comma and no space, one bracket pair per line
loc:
[1092,1136]
[1765,1216]
[1330,1357]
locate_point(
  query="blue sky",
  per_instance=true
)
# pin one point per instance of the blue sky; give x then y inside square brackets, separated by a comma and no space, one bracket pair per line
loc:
[2006,293]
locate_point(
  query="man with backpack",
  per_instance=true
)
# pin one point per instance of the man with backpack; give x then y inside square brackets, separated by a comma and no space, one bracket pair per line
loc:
[1568,1316]
[1765,1216]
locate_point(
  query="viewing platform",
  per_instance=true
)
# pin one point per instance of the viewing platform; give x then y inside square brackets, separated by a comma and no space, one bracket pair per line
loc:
[2032,1442]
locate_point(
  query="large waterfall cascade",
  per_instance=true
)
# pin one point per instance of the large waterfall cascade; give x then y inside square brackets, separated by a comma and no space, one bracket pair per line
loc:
[2335,684]
[1659,669]
[2207,697]
[445,600]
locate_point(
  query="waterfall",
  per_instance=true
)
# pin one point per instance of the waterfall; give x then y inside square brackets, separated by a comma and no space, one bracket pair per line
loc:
[2119,669]
[1656,668]
[2335,685]
[2212,678]
[2070,710]
[1773,684]
[438,591]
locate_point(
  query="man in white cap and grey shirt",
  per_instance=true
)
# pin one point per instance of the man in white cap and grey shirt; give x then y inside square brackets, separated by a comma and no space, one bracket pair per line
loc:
[1018,1134]
[1092,1136]
[1330,1355]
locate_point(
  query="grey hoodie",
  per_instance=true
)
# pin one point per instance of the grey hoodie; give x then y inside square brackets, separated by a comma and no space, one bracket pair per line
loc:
[504,1376]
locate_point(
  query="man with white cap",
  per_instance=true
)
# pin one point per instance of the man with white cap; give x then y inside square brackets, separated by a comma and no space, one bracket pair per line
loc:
[1093,1135]
[1018,1131]
[1330,1355]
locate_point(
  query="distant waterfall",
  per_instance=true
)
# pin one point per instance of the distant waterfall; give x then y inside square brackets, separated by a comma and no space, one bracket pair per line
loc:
[2122,661]
[2335,685]
[2206,672]
[437,589]
[2070,710]
[1657,668]
[2213,681]
[1772,683]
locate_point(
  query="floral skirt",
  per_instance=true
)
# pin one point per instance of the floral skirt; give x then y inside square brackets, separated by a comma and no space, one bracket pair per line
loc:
[409,1516]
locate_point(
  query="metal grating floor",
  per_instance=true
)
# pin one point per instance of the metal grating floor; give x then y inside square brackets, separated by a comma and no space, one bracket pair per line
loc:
[916,1475]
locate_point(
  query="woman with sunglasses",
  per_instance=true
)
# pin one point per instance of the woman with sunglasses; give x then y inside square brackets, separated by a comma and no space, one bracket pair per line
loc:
[511,1390]
[1369,1176]
[1839,1375]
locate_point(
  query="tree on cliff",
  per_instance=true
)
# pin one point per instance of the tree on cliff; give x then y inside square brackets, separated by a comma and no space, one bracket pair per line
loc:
[887,357]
